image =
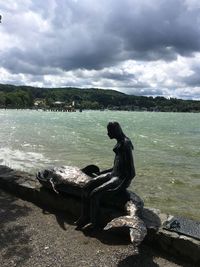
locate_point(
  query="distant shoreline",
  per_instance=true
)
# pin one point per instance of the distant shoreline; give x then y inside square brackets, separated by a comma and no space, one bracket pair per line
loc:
[77,110]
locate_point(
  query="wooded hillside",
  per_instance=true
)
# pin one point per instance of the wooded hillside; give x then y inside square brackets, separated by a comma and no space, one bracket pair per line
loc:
[25,96]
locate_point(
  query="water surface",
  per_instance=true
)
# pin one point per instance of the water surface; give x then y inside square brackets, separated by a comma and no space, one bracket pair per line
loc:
[167,149]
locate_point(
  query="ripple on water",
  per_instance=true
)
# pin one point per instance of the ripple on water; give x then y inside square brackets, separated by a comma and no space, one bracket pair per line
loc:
[177,182]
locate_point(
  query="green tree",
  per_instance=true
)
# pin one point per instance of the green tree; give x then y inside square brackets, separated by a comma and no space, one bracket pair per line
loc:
[2,99]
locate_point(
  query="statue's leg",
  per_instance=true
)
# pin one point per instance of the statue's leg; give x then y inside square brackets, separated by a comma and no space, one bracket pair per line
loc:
[94,183]
[97,194]
[87,189]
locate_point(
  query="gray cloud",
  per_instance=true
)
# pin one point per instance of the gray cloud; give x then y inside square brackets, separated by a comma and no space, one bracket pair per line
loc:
[193,80]
[187,94]
[117,75]
[92,37]
[160,30]
[145,91]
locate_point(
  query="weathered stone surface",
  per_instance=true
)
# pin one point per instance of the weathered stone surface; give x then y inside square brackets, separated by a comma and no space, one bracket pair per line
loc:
[179,245]
[183,226]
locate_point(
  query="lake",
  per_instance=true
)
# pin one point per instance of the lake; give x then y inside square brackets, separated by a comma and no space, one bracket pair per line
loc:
[167,149]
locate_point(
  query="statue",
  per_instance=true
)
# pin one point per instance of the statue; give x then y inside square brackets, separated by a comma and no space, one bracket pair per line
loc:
[90,185]
[115,179]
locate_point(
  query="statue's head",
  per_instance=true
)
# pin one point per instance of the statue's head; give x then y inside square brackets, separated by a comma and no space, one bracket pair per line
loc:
[114,130]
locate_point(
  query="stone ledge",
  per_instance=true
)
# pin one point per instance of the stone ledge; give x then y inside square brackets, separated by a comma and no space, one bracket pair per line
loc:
[174,243]
[25,186]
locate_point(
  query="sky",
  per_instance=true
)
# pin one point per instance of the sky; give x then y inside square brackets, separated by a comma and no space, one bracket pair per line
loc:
[146,47]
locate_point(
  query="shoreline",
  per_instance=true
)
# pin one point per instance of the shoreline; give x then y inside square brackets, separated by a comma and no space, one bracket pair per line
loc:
[101,110]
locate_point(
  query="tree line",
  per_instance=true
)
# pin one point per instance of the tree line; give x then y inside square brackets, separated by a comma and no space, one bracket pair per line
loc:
[12,96]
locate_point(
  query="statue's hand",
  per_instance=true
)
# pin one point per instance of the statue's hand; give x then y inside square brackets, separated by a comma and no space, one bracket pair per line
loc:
[105,171]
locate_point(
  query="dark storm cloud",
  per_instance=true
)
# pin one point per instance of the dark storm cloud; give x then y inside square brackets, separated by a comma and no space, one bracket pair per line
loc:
[117,75]
[192,80]
[89,34]
[154,30]
[21,61]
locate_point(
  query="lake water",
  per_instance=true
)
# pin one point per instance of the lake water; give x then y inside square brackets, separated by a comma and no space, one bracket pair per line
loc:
[167,149]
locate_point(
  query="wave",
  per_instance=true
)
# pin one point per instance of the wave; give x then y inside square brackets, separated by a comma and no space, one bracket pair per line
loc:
[21,160]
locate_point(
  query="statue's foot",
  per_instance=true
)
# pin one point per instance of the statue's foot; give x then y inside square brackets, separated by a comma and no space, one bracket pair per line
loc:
[90,227]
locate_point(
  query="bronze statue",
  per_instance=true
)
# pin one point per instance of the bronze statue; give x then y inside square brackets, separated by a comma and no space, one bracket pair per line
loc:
[115,179]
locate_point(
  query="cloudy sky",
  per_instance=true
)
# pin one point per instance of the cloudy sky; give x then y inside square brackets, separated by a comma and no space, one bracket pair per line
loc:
[146,47]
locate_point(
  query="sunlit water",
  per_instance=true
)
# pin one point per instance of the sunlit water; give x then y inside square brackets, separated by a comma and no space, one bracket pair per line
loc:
[167,149]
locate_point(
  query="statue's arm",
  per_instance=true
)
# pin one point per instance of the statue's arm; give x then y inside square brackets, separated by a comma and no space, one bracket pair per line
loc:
[129,162]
